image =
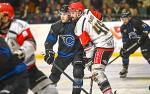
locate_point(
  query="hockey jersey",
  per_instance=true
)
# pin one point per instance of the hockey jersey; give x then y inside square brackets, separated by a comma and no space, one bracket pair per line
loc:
[89,29]
[7,60]
[20,37]
[133,30]
[69,43]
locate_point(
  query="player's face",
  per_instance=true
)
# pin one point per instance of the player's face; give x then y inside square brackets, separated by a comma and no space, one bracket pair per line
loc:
[125,20]
[1,15]
[4,22]
[75,15]
[4,18]
[65,17]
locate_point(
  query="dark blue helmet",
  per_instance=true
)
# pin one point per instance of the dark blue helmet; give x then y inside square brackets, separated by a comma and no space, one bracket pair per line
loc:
[64,9]
[125,13]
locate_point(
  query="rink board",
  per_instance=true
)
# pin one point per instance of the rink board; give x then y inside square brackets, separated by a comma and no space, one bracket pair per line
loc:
[40,32]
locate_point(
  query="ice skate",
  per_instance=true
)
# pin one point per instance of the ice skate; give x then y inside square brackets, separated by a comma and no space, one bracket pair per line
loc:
[123,73]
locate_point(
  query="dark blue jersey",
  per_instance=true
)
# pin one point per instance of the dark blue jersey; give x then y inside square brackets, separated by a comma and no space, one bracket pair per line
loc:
[7,60]
[69,44]
[133,30]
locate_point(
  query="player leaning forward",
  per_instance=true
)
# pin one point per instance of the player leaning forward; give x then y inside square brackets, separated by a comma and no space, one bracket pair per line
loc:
[89,31]
[13,73]
[22,43]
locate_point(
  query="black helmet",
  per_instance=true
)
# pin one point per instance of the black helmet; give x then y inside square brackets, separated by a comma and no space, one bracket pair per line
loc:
[64,8]
[125,13]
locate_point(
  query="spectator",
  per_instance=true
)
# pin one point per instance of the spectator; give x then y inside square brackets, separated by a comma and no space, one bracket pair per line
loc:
[116,10]
[141,10]
[108,16]
[25,9]
[46,17]
[42,5]
[37,19]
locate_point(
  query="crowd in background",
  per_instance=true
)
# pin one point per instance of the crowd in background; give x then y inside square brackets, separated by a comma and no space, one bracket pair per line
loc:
[47,11]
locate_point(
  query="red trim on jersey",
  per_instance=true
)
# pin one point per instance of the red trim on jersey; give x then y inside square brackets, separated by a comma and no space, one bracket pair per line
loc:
[30,67]
[99,54]
[105,49]
[26,34]
[84,38]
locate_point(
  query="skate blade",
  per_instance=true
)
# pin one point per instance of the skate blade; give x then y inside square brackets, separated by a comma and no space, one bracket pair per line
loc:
[123,76]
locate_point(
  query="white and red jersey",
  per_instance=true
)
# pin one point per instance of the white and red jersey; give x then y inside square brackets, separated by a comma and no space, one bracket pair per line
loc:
[89,30]
[20,37]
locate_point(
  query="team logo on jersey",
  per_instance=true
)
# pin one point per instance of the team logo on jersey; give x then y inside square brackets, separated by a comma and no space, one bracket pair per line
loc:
[132,35]
[68,40]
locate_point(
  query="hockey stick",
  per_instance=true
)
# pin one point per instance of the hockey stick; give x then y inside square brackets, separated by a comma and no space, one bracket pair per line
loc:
[113,59]
[18,69]
[91,84]
[135,44]
[69,77]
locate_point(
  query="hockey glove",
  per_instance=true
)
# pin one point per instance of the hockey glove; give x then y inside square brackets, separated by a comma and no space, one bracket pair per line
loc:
[142,39]
[123,52]
[49,57]
[20,54]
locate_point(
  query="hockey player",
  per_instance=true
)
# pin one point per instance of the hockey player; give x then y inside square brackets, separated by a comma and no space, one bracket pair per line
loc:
[13,73]
[69,50]
[133,31]
[90,31]
[22,43]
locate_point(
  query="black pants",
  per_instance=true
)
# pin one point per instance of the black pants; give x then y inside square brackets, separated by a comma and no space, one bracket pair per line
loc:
[145,50]
[35,77]
[78,71]
[16,84]
[61,62]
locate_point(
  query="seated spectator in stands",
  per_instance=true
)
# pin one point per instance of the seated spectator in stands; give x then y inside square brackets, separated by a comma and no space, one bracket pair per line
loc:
[141,10]
[37,19]
[108,16]
[47,16]
[116,10]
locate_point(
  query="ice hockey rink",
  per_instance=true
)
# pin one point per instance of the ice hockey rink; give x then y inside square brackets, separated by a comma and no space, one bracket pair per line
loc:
[137,81]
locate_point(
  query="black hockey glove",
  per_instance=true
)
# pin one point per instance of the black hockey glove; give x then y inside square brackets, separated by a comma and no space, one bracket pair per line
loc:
[123,52]
[49,57]
[142,39]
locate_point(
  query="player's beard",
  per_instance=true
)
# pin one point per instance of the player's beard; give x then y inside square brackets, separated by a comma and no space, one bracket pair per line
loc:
[4,27]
